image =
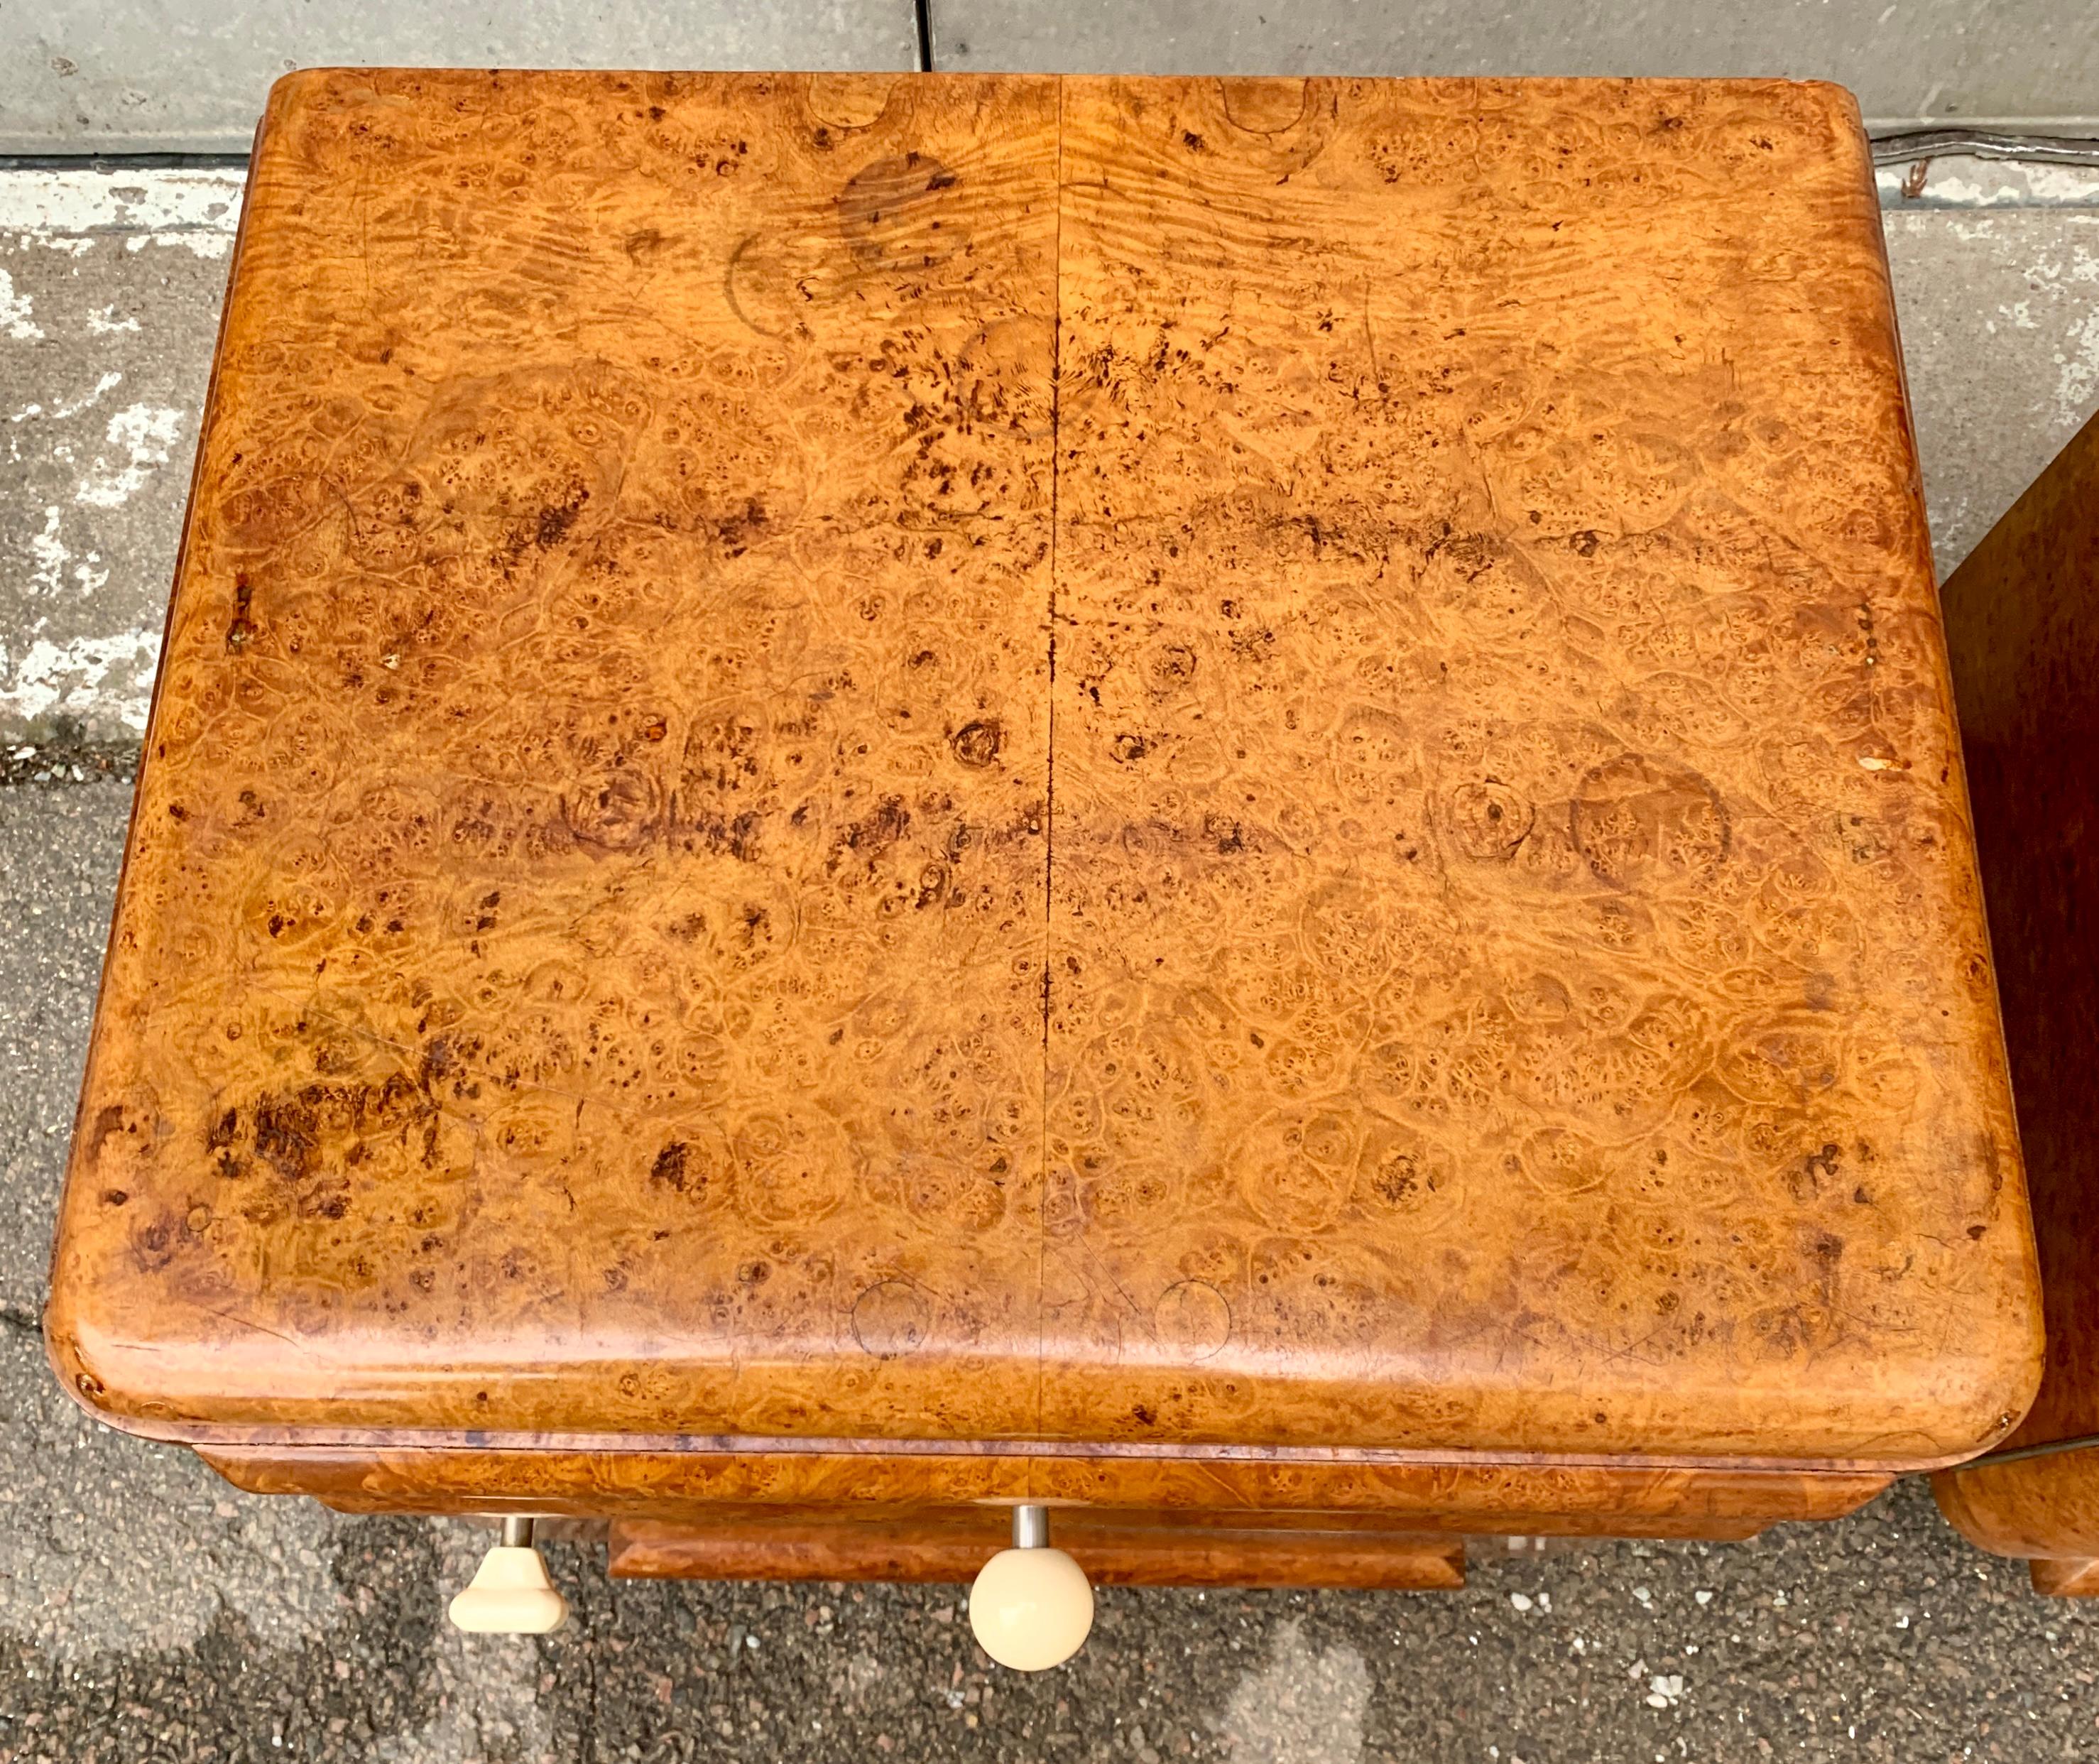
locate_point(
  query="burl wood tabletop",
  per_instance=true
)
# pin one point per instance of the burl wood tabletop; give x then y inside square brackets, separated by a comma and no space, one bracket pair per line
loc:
[1138,761]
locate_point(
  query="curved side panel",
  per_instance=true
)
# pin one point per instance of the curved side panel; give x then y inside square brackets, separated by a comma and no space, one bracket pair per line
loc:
[2045,1507]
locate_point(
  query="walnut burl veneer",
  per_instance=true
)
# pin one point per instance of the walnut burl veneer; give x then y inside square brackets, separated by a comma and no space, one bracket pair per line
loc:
[2022,624]
[787,1544]
[1139,772]
[695,1488]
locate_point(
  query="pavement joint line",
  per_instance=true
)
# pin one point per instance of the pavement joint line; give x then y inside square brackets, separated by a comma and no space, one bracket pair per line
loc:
[123,162]
[1892,145]
[67,761]
[1900,147]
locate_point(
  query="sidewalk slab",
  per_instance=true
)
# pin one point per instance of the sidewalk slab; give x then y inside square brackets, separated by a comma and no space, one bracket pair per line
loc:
[110,285]
[2014,64]
[190,76]
[2000,316]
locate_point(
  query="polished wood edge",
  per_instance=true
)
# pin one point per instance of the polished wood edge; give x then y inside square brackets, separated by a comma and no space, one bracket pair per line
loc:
[1474,1499]
[2073,1578]
[59,1335]
[1557,1528]
[2030,1508]
[208,1436]
[209,1440]
[1843,103]
[947,1547]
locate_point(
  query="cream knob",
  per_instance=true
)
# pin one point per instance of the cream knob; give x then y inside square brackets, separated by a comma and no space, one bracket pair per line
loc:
[511,1594]
[1031,1606]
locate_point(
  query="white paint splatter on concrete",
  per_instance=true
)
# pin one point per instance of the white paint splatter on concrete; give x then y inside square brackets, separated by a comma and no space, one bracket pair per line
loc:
[69,679]
[48,550]
[2079,379]
[70,211]
[147,433]
[1967,181]
[2000,327]
[49,557]
[71,407]
[111,286]
[15,312]
[1302,1707]
[2053,280]
[205,243]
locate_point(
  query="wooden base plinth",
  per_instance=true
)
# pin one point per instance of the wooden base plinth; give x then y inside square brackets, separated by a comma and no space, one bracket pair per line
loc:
[2076,1578]
[697,1490]
[1121,1550]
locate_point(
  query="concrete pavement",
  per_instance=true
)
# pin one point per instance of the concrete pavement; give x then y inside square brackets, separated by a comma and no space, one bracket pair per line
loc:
[1918,63]
[79,76]
[188,76]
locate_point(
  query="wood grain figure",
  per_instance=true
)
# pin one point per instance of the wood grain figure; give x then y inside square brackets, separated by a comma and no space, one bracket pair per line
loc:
[1121,784]
[1113,1550]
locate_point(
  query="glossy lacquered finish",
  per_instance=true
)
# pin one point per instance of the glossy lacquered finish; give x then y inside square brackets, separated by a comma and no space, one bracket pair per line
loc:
[2023,625]
[1111,1548]
[1128,764]
[699,1489]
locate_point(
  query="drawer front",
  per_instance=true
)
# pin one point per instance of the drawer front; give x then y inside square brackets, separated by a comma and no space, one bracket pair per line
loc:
[690,1489]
